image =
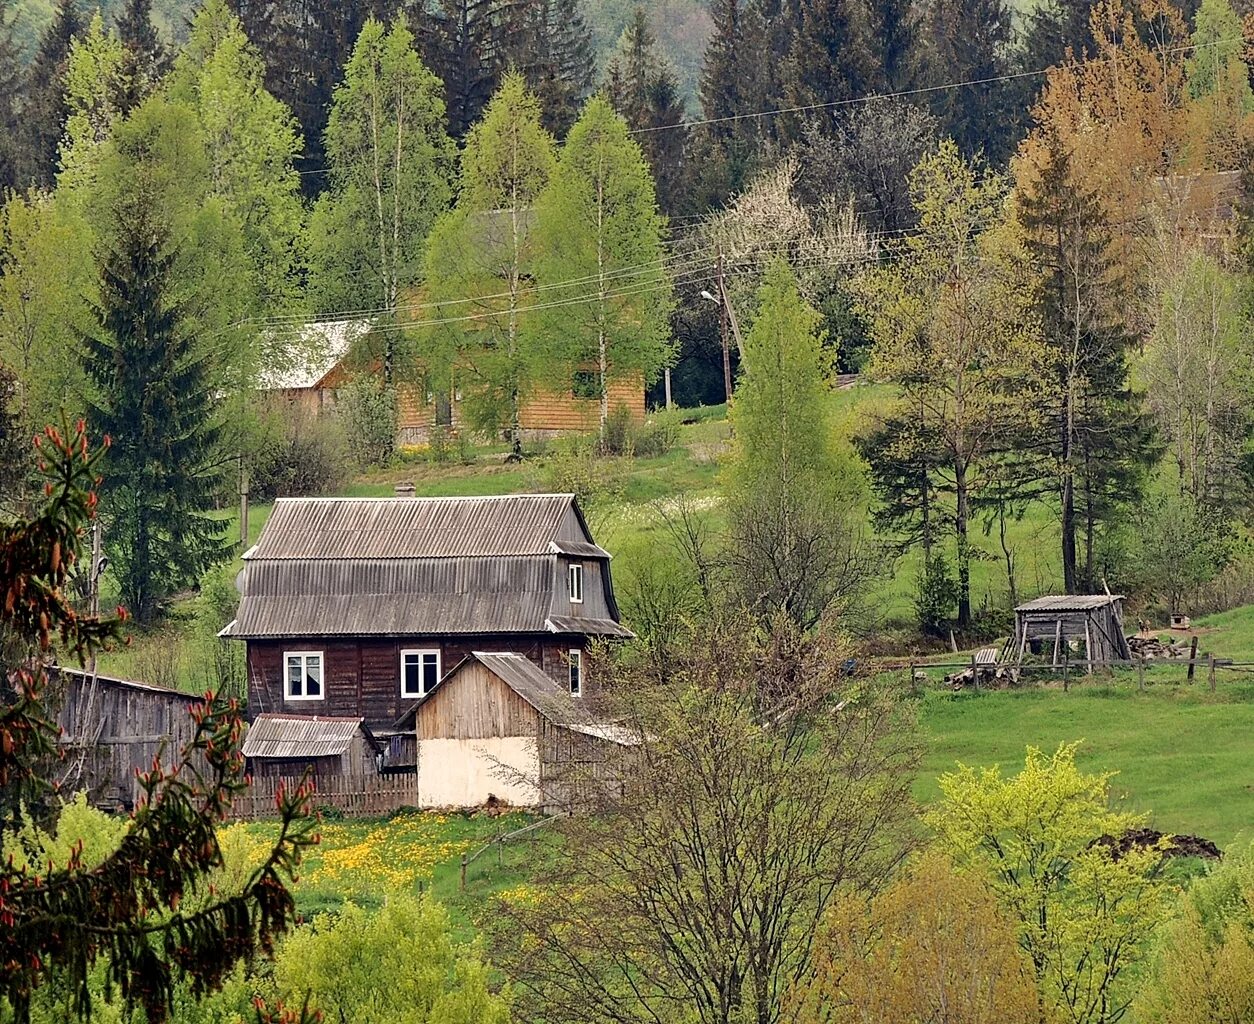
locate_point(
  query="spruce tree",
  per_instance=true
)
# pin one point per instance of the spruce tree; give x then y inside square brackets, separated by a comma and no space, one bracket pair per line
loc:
[643,88]
[10,89]
[553,50]
[43,103]
[892,36]
[828,62]
[464,43]
[1102,441]
[969,45]
[153,394]
[147,59]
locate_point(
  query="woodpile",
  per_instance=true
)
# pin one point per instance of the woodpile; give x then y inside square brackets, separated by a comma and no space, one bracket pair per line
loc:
[1151,648]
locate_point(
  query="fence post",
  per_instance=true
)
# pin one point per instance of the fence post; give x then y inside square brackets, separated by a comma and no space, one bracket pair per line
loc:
[1140,672]
[975,674]
[914,686]
[1066,664]
[463,885]
[1211,680]
[1192,657]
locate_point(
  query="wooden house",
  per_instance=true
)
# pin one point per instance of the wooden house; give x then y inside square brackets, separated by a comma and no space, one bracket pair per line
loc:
[290,745]
[498,729]
[310,371]
[1056,625]
[357,607]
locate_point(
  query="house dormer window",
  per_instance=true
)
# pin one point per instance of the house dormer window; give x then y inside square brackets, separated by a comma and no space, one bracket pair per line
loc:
[303,675]
[574,660]
[576,583]
[420,671]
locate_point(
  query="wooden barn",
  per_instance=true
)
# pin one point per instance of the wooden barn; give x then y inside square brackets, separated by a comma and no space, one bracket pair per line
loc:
[357,607]
[111,728]
[498,729]
[1057,625]
[289,745]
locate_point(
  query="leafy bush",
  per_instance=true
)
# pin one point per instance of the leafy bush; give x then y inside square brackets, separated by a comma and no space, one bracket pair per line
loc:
[399,964]
[658,434]
[574,468]
[936,596]
[618,436]
[302,454]
[370,420]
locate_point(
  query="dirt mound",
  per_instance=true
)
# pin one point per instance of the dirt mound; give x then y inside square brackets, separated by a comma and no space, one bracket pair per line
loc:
[1176,846]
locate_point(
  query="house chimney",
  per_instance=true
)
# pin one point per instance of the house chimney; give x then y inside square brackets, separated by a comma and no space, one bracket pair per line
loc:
[405,489]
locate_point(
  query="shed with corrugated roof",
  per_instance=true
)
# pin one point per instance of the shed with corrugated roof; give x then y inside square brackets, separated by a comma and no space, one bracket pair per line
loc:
[1091,625]
[288,745]
[357,607]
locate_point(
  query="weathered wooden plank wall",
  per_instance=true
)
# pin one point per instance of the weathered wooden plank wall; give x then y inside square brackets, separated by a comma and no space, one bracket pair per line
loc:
[355,796]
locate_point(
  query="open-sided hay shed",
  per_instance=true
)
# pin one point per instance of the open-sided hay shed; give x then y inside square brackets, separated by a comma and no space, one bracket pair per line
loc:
[1057,624]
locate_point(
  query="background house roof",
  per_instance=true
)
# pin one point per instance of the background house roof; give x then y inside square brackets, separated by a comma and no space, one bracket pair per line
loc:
[300,736]
[315,350]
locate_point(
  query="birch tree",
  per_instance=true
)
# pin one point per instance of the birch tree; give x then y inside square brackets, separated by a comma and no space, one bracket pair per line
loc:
[391,166]
[607,291]
[480,264]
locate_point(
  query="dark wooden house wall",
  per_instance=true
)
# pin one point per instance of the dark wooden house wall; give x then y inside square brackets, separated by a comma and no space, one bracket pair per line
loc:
[362,678]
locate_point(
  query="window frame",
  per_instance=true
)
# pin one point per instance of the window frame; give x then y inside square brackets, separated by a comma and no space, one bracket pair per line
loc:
[304,657]
[574,571]
[574,671]
[422,683]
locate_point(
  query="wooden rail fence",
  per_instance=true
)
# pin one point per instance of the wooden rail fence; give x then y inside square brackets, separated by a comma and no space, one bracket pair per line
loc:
[354,796]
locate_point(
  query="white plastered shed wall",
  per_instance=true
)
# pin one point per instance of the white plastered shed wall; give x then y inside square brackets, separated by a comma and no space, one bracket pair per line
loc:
[467,772]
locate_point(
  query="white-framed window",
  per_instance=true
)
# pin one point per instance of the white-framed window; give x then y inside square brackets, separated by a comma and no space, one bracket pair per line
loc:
[302,675]
[576,583]
[420,671]
[574,659]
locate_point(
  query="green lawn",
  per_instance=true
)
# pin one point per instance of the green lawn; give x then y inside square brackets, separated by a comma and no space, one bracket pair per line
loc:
[1182,755]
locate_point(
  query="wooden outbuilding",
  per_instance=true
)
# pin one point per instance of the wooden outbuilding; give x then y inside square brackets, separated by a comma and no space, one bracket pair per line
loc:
[498,729]
[113,728]
[290,745]
[1057,625]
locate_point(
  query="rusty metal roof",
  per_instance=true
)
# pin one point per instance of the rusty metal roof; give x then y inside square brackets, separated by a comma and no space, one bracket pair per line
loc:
[331,528]
[1069,602]
[298,736]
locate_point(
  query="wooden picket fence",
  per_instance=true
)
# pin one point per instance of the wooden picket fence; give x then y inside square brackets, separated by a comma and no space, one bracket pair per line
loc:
[354,796]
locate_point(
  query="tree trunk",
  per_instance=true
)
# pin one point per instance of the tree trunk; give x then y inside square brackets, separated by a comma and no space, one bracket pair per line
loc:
[1067,496]
[964,549]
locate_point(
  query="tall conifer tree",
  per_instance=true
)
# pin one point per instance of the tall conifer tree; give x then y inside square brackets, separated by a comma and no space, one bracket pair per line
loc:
[147,59]
[554,52]
[464,44]
[43,99]
[153,386]
[828,62]
[10,89]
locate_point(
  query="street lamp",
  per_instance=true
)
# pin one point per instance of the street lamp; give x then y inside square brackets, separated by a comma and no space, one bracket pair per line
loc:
[727,313]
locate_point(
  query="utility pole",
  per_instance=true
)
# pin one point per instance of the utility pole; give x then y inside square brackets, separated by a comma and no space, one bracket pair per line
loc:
[722,327]
[93,581]
[243,504]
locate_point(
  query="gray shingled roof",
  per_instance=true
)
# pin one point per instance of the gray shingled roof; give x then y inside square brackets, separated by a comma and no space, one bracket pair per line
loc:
[328,528]
[420,567]
[298,736]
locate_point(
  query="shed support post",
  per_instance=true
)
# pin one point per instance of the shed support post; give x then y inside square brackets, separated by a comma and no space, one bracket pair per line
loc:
[1057,641]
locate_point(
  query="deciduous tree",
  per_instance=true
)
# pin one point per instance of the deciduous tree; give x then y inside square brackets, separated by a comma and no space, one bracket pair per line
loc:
[391,167]
[1084,914]
[602,262]
[481,262]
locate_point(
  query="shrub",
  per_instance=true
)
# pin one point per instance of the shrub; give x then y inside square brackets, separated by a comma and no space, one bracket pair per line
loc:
[658,434]
[370,420]
[618,435]
[574,468]
[936,595]
[303,454]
